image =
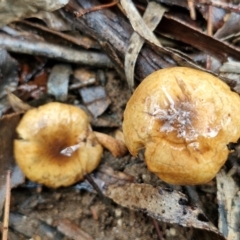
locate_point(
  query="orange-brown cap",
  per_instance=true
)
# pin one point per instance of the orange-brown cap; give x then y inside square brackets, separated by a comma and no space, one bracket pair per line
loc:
[56,146]
[184,119]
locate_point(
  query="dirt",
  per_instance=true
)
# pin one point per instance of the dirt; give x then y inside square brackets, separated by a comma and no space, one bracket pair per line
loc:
[102,220]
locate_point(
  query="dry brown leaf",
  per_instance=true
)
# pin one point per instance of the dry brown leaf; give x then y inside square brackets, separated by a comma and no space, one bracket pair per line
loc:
[161,204]
[54,21]
[137,22]
[151,17]
[179,30]
[11,10]
[141,28]
[17,104]
[8,124]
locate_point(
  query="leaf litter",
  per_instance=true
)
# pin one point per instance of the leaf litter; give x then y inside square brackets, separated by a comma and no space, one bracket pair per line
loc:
[146,195]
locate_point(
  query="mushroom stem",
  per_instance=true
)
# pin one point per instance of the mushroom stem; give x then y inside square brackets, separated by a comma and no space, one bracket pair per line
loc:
[116,147]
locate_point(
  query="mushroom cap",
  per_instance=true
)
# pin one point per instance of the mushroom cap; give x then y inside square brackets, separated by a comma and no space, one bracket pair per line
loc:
[56,146]
[184,119]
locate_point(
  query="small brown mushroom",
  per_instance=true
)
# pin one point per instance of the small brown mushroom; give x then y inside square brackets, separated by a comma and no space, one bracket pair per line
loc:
[56,146]
[184,119]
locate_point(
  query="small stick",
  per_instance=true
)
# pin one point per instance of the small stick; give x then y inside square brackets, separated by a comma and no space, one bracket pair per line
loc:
[192,9]
[159,233]
[7,206]
[209,22]
[97,189]
[209,32]
[96,8]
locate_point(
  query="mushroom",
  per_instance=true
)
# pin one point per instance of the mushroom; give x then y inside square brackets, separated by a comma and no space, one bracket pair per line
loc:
[56,146]
[184,119]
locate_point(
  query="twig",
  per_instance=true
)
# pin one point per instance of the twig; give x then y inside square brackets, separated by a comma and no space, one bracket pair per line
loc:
[220,4]
[80,40]
[114,40]
[192,9]
[209,22]
[97,189]
[95,8]
[159,233]
[67,54]
[209,32]
[7,206]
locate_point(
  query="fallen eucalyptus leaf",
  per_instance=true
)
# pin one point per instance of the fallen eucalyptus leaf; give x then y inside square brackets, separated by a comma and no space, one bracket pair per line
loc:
[161,204]
[151,17]
[143,30]
[228,195]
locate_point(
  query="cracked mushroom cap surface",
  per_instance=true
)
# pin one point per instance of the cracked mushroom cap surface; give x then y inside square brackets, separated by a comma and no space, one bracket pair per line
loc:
[56,146]
[184,119]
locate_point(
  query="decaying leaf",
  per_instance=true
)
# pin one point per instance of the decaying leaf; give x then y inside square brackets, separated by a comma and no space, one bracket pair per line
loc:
[179,30]
[230,28]
[228,195]
[8,78]
[106,176]
[11,10]
[54,21]
[9,74]
[151,17]
[230,67]
[161,204]
[17,104]
[30,227]
[143,30]
[82,77]
[8,124]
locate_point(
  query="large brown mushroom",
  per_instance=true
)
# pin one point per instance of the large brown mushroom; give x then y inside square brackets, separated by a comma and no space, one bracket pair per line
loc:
[184,119]
[56,146]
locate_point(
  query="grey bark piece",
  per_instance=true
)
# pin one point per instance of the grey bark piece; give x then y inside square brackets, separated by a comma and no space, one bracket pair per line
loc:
[95,99]
[58,81]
